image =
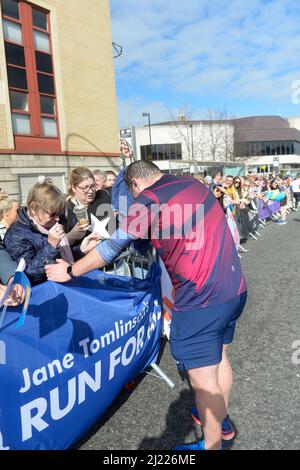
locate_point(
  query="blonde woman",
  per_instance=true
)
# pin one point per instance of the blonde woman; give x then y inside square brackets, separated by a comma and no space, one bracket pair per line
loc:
[37,236]
[201,179]
[8,214]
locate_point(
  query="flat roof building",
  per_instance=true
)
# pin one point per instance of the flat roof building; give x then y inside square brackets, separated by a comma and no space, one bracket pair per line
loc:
[261,144]
[267,143]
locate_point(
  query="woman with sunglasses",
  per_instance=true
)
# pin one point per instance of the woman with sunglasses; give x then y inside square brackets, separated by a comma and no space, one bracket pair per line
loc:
[219,193]
[233,192]
[237,183]
[38,237]
[247,194]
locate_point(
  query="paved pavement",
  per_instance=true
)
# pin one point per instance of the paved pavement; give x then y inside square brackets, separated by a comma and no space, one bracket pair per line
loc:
[265,405]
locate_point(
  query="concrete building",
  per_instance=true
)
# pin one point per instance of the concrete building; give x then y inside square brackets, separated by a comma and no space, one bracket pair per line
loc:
[258,144]
[268,143]
[187,146]
[57,91]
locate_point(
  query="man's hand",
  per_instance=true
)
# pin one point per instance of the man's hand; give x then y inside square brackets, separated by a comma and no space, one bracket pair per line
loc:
[89,243]
[58,272]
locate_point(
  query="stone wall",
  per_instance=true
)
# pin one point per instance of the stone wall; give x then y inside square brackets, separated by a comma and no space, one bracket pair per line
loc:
[12,166]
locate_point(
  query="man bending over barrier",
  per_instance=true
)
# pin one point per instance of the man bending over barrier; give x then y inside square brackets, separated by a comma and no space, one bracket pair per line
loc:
[187,226]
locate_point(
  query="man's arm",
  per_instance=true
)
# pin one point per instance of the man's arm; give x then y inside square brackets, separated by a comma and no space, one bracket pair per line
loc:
[89,262]
[102,255]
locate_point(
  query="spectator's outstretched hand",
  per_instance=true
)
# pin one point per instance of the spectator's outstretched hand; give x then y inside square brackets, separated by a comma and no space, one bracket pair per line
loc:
[77,232]
[90,242]
[16,297]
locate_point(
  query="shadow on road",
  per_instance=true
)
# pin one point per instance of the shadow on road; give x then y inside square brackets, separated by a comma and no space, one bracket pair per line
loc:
[179,425]
[119,401]
[179,428]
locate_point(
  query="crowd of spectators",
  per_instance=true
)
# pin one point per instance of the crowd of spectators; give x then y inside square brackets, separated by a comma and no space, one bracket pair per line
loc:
[249,201]
[47,228]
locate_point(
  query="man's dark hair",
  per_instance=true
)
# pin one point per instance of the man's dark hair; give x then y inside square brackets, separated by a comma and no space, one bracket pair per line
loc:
[229,176]
[141,169]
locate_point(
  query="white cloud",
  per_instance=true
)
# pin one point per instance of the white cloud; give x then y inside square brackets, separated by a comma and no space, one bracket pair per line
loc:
[198,50]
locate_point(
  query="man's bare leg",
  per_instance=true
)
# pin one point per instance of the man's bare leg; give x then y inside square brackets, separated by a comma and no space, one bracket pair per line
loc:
[210,404]
[225,375]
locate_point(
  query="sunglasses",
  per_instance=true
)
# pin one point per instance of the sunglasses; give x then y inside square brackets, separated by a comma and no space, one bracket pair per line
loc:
[53,215]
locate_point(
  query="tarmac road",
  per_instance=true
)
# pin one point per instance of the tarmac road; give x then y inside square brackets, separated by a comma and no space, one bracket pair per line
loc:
[265,405]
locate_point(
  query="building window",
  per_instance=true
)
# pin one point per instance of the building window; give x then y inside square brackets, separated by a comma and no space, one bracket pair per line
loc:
[28,49]
[247,149]
[161,152]
[10,8]
[297,148]
[26,182]
[273,148]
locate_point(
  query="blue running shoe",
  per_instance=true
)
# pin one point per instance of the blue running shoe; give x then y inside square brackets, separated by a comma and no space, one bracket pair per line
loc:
[228,431]
[199,445]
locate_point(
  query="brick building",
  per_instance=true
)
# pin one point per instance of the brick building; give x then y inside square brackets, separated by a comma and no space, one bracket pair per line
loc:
[57,91]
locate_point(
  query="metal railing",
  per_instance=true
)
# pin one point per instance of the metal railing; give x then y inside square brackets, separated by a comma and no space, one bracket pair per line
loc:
[132,263]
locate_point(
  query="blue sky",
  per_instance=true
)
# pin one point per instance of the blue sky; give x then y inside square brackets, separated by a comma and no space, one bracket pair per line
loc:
[238,57]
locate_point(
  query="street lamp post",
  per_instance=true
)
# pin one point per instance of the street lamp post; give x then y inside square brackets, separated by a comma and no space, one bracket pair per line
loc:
[192,145]
[149,125]
[192,140]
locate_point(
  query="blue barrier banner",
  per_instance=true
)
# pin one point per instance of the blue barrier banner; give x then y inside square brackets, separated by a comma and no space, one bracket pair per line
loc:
[81,343]
[267,209]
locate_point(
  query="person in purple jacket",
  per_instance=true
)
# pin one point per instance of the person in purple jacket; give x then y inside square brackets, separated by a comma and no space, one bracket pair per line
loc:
[187,226]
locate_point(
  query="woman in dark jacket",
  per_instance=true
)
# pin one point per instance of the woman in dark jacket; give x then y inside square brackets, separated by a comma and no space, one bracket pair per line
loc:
[36,235]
